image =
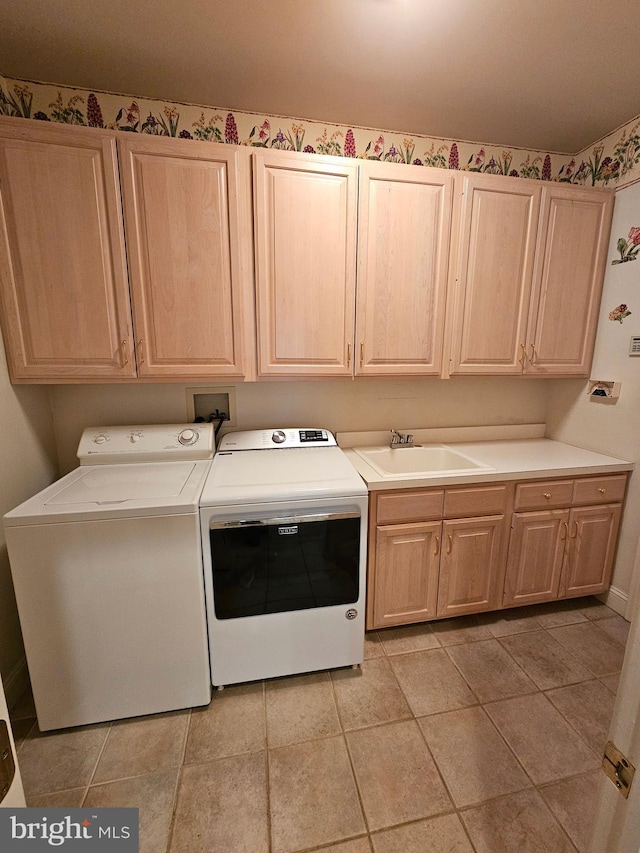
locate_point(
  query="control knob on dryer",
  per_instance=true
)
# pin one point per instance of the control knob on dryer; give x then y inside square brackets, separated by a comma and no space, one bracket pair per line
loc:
[278,436]
[188,436]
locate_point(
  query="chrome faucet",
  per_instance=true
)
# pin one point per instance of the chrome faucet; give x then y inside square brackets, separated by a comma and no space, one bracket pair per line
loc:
[399,439]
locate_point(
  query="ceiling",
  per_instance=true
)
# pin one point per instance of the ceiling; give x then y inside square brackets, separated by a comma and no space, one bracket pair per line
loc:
[539,74]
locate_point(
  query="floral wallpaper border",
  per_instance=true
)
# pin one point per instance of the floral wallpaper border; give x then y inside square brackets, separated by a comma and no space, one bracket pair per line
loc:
[613,160]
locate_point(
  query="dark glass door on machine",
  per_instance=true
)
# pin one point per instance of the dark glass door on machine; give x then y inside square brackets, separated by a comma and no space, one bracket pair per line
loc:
[284,564]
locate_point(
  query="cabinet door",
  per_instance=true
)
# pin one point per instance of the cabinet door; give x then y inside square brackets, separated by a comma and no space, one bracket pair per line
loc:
[536,552]
[472,565]
[63,276]
[405,584]
[494,269]
[572,246]
[183,225]
[305,231]
[593,533]
[404,218]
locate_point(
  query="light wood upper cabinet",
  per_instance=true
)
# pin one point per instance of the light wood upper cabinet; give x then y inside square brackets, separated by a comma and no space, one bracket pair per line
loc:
[528,276]
[493,268]
[567,282]
[63,277]
[404,221]
[183,214]
[305,233]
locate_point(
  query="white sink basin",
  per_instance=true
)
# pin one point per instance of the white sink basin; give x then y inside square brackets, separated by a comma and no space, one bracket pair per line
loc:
[431,459]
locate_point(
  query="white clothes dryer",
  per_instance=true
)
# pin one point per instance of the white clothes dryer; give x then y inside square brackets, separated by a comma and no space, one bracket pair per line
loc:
[107,570]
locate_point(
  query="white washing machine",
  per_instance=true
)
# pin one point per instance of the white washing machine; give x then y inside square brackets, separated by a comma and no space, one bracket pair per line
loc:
[107,570]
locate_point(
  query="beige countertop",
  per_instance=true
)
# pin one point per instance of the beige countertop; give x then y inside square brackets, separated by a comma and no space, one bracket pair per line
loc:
[508,459]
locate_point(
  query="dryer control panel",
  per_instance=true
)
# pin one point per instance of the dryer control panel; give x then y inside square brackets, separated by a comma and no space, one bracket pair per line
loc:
[148,443]
[266,439]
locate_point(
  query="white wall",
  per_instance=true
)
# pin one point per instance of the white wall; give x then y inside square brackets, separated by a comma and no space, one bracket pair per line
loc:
[339,405]
[611,428]
[27,464]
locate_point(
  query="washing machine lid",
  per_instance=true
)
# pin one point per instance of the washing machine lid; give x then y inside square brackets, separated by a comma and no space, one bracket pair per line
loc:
[116,491]
[259,476]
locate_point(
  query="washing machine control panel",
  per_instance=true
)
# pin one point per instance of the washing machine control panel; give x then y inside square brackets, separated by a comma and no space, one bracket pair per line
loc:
[153,442]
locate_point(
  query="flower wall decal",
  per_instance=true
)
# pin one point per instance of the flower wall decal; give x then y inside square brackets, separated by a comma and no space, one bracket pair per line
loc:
[618,314]
[628,248]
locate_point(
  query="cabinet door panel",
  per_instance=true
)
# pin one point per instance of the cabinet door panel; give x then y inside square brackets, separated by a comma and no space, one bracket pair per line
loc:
[472,565]
[62,258]
[536,552]
[305,221]
[403,248]
[406,573]
[494,271]
[593,536]
[574,234]
[181,205]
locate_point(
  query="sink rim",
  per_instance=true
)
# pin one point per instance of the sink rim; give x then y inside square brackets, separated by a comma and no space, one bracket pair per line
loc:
[368,455]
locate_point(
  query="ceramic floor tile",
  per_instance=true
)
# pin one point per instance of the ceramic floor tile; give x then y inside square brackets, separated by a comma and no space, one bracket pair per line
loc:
[611,682]
[233,723]
[490,671]
[222,806]
[473,759]
[369,696]
[396,775]
[588,707]
[558,613]
[408,638]
[431,682]
[57,761]
[594,609]
[71,799]
[519,823]
[300,708]
[313,796]
[372,645]
[547,663]
[141,746]
[616,627]
[21,729]
[444,834]
[601,654]
[24,708]
[153,795]
[462,629]
[507,622]
[573,803]
[355,845]
[545,744]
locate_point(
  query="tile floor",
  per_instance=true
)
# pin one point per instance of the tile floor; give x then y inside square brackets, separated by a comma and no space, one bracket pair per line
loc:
[474,734]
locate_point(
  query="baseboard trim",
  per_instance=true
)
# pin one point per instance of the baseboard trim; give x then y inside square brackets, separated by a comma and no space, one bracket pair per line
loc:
[16,682]
[616,599]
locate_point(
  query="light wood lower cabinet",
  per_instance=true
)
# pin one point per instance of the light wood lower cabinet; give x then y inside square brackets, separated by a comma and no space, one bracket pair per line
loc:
[425,564]
[430,567]
[406,581]
[536,555]
[472,565]
[564,552]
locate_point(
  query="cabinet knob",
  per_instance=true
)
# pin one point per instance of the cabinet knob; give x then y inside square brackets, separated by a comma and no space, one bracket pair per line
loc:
[602,491]
[547,495]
